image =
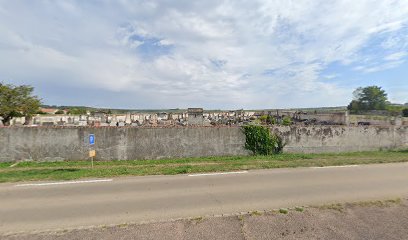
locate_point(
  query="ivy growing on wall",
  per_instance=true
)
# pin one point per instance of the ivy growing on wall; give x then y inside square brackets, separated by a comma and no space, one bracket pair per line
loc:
[260,141]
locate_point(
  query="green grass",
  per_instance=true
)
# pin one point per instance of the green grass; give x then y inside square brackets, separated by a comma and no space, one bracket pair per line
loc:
[68,170]
[341,207]
[283,211]
[299,209]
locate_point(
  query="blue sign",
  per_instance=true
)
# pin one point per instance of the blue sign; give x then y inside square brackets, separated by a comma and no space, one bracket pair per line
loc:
[91,139]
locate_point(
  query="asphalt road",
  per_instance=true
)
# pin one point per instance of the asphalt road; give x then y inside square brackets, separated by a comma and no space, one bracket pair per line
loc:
[27,208]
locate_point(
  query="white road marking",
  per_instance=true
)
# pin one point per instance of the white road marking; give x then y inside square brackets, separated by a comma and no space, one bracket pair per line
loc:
[214,174]
[63,183]
[344,166]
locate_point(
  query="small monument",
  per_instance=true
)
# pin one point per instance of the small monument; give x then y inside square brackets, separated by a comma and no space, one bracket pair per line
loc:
[195,117]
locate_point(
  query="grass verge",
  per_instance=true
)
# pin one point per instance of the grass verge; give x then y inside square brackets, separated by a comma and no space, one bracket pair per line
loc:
[68,170]
[374,203]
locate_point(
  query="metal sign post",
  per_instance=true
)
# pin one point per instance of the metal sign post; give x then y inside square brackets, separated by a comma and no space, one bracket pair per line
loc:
[92,152]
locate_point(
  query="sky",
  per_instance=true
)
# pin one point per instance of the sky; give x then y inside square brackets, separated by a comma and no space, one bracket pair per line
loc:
[215,54]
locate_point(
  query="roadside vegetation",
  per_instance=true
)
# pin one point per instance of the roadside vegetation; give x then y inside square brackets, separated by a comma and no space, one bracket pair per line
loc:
[260,141]
[68,170]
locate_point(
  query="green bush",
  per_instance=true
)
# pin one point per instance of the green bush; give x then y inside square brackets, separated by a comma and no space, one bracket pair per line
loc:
[77,111]
[41,112]
[259,140]
[286,121]
[283,211]
[263,118]
[270,120]
[405,112]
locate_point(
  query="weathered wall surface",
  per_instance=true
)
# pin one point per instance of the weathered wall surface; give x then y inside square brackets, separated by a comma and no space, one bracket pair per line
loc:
[318,139]
[24,143]
[71,143]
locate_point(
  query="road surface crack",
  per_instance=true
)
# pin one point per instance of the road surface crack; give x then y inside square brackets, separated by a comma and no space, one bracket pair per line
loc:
[243,232]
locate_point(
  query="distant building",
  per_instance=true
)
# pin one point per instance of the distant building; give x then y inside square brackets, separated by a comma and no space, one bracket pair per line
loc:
[195,116]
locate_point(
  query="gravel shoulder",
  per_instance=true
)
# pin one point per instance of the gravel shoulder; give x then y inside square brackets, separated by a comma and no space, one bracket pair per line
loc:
[363,220]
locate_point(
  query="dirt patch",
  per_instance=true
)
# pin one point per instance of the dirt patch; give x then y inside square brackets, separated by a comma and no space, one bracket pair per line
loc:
[364,220]
[349,222]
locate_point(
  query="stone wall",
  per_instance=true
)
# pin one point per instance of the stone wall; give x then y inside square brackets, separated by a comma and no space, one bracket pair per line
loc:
[318,139]
[71,143]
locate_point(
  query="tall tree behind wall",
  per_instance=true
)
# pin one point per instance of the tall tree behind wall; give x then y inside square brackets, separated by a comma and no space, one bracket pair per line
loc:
[368,98]
[17,101]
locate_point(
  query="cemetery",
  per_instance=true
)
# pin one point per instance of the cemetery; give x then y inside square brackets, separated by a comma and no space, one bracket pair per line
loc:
[200,117]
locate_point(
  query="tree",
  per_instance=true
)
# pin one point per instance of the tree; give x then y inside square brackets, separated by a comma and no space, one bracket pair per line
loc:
[17,101]
[77,111]
[59,111]
[405,112]
[368,98]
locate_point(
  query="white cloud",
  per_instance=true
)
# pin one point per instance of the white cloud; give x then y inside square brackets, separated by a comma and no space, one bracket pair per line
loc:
[395,56]
[380,66]
[208,53]
[165,42]
[330,76]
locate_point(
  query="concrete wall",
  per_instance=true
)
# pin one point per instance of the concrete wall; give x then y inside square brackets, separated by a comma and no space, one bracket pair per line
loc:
[71,143]
[318,139]
[404,121]
[195,119]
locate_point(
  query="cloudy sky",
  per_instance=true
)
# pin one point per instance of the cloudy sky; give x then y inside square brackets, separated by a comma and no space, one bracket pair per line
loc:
[212,54]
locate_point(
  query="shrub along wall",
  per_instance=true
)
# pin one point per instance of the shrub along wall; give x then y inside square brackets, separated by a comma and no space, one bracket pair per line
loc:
[260,141]
[71,143]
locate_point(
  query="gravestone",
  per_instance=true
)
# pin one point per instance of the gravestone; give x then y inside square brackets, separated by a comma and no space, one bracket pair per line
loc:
[82,123]
[61,122]
[104,119]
